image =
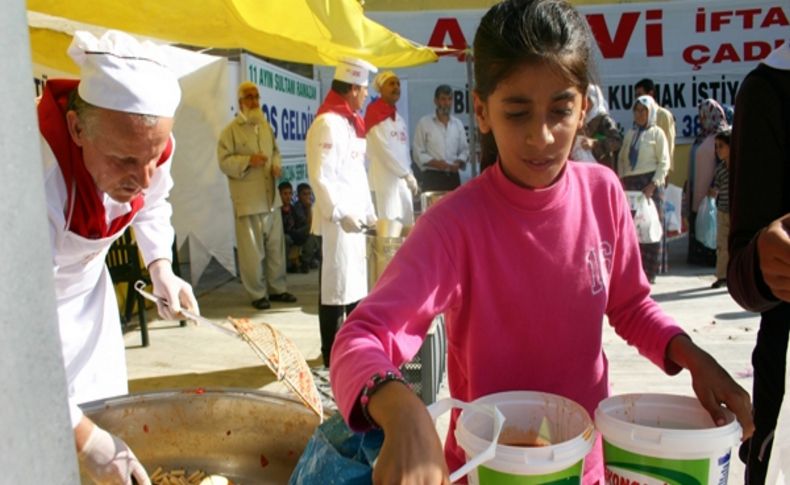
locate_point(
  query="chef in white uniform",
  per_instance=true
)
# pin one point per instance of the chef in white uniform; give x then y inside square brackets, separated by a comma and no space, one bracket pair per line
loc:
[335,147]
[390,173]
[107,150]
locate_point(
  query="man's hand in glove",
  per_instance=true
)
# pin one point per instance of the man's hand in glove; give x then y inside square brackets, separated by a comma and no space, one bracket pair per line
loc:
[351,224]
[108,460]
[411,182]
[177,292]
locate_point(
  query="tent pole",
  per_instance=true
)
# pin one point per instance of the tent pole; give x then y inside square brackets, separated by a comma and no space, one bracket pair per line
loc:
[470,80]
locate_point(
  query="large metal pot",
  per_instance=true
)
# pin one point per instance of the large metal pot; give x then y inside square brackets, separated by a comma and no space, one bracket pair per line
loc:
[427,199]
[380,251]
[251,437]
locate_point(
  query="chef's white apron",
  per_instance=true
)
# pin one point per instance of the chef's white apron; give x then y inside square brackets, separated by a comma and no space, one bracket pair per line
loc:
[344,269]
[90,329]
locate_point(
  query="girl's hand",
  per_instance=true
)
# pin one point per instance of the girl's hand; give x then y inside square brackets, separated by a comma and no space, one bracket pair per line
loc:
[712,385]
[412,452]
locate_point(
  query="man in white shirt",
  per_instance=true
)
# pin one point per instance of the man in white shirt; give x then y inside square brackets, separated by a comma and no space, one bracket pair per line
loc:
[439,147]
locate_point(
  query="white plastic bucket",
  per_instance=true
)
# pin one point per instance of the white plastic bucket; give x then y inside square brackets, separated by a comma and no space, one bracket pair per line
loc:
[661,438]
[554,419]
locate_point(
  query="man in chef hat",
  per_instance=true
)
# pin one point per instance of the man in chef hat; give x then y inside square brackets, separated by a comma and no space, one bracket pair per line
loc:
[391,177]
[107,150]
[335,148]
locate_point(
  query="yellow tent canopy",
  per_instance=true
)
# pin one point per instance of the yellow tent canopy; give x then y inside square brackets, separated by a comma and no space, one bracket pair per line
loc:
[307,31]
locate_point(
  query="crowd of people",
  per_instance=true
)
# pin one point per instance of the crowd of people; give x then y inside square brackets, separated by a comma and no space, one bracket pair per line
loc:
[535,209]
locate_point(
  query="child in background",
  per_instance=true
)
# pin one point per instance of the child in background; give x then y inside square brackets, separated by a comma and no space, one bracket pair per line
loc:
[721,190]
[524,261]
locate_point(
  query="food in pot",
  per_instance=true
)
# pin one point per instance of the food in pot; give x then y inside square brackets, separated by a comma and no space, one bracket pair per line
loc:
[183,477]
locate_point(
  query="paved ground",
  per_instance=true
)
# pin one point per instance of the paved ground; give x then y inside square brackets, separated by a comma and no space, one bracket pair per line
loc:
[195,356]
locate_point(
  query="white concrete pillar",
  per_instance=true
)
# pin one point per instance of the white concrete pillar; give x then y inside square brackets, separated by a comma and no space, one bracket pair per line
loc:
[36,440]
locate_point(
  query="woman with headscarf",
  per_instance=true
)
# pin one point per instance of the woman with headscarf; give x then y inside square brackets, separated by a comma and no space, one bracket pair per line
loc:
[600,135]
[702,165]
[642,165]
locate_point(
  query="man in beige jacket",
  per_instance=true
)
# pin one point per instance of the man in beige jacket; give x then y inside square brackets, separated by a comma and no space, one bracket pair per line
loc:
[249,156]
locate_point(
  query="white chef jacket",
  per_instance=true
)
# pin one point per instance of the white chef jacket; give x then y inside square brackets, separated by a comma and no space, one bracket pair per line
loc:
[336,168]
[390,162]
[88,321]
[435,141]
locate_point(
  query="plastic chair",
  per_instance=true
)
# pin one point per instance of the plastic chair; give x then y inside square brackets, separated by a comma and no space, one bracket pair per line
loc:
[125,266]
[123,262]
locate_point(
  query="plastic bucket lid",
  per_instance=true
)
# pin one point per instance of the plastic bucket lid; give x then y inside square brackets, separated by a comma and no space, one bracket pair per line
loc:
[563,422]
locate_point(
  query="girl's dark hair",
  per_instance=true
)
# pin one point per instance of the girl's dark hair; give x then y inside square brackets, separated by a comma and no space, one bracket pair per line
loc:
[724,135]
[517,32]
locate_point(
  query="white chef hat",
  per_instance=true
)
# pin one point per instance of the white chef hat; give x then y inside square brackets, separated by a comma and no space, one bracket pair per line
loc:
[382,79]
[119,72]
[354,71]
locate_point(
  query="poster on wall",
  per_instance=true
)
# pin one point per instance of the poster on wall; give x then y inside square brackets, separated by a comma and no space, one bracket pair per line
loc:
[290,102]
[692,50]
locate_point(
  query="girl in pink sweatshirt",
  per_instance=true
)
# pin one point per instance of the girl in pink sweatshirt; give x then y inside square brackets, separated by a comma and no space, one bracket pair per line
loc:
[524,261]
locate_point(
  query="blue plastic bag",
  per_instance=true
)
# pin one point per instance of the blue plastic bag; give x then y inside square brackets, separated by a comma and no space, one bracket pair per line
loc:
[705,225]
[337,455]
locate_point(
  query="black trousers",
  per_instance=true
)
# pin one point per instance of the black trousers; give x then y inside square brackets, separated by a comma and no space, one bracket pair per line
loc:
[769,363]
[330,319]
[438,180]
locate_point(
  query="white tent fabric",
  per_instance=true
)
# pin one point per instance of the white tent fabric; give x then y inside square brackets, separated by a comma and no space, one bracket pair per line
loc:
[202,211]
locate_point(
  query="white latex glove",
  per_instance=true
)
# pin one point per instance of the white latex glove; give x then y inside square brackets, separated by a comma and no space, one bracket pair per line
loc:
[108,460]
[177,292]
[351,224]
[411,182]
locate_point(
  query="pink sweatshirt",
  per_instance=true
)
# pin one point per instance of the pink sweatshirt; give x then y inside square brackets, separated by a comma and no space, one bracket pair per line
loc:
[524,278]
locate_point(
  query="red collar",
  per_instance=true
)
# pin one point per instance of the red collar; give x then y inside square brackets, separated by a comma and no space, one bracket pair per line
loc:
[335,103]
[377,112]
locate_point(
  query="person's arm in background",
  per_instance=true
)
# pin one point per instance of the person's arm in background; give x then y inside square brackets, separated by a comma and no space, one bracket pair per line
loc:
[705,168]
[622,156]
[277,161]
[662,163]
[758,163]
[421,151]
[231,163]
[667,124]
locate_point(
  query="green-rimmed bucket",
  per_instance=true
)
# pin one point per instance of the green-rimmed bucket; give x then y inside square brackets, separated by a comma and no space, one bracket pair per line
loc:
[544,439]
[664,439]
